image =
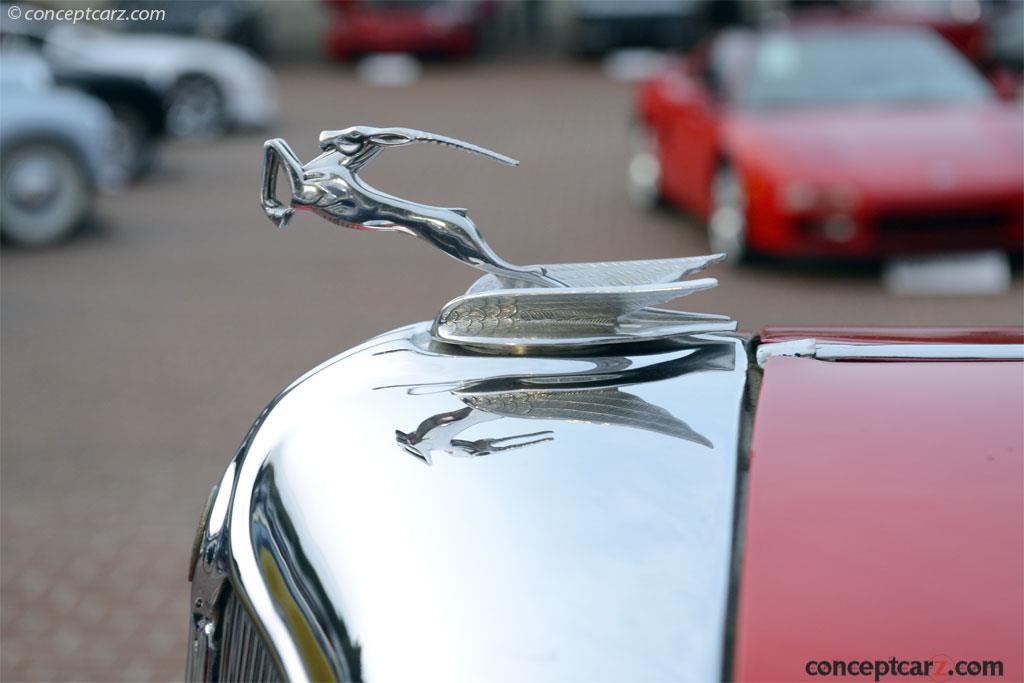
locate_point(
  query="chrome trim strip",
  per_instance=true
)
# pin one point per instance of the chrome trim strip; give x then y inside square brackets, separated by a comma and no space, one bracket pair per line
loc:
[921,351]
[592,542]
[837,352]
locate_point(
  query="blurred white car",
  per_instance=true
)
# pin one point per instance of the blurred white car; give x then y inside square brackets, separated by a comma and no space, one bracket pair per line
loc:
[53,148]
[208,86]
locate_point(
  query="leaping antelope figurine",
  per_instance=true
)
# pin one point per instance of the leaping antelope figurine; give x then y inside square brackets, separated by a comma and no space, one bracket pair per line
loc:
[330,187]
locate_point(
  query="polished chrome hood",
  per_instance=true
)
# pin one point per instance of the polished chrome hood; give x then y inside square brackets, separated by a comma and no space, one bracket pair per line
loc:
[537,485]
[411,509]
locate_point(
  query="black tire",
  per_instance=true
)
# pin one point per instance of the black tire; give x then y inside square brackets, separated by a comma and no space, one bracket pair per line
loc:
[196,109]
[45,193]
[134,144]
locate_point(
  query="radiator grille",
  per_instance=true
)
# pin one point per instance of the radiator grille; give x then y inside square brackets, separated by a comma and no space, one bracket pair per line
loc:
[917,223]
[236,653]
[243,657]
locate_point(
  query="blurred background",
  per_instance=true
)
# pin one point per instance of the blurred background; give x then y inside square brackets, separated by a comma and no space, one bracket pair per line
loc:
[861,162]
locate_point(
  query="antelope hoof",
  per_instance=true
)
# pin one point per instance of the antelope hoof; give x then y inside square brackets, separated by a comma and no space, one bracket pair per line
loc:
[280,215]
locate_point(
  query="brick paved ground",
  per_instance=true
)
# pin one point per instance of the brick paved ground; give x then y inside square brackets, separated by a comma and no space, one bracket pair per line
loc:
[135,356]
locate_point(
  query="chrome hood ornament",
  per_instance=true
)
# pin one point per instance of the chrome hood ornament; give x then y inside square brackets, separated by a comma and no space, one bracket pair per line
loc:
[511,309]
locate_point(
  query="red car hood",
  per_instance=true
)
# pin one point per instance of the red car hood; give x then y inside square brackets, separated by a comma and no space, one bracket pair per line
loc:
[924,150]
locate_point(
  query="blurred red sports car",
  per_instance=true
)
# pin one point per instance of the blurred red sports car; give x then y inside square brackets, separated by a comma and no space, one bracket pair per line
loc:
[436,27]
[842,140]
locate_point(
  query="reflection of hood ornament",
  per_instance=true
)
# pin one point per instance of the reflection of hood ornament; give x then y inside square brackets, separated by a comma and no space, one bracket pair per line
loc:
[595,396]
[438,432]
[511,308]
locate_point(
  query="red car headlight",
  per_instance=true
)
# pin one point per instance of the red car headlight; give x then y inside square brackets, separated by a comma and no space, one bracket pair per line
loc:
[838,227]
[801,197]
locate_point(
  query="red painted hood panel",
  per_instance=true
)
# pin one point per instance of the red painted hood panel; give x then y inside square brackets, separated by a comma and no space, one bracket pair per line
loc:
[885,516]
[1004,334]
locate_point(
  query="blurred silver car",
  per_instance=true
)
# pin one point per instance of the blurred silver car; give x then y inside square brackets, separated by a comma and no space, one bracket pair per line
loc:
[208,86]
[53,146]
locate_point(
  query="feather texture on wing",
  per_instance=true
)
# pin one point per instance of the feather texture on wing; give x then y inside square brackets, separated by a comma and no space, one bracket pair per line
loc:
[586,315]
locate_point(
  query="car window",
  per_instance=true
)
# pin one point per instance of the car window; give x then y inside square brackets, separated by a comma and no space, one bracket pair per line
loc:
[866,66]
[725,63]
